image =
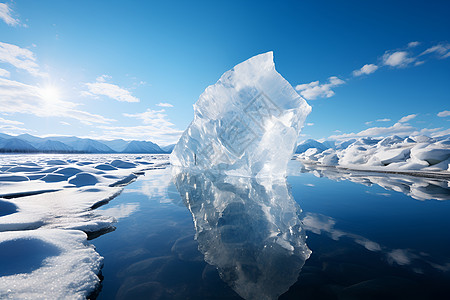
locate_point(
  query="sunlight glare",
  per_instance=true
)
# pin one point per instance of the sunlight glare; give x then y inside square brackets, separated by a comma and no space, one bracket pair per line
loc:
[50,93]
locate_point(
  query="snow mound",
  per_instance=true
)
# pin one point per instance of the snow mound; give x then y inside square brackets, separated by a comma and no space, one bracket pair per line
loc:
[122,164]
[83,179]
[419,154]
[246,124]
[47,264]
[46,215]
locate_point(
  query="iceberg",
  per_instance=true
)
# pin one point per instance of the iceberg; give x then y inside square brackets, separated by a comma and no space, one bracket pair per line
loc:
[247,124]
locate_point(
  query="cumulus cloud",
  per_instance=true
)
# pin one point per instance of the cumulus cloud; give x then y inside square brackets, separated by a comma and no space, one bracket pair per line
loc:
[157,128]
[17,97]
[102,88]
[366,69]
[445,113]
[164,104]
[20,58]
[6,15]
[397,59]
[4,73]
[407,118]
[314,89]
[442,50]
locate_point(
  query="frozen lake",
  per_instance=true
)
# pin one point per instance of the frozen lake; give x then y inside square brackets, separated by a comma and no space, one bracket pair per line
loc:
[161,233]
[371,236]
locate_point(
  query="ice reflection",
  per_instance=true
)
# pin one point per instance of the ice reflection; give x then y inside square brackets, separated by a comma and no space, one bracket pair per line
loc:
[248,228]
[419,188]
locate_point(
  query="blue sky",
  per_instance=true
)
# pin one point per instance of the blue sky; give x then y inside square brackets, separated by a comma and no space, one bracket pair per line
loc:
[133,70]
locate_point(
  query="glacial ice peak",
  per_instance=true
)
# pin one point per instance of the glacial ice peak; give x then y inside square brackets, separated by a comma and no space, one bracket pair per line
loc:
[246,124]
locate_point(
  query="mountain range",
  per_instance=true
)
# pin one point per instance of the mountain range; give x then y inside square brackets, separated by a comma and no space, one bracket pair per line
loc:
[26,143]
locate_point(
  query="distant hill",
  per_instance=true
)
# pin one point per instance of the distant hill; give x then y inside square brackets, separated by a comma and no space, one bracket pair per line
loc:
[305,145]
[26,143]
[16,145]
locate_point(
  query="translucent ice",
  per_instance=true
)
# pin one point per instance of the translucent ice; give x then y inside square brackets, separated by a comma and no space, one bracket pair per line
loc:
[249,228]
[246,124]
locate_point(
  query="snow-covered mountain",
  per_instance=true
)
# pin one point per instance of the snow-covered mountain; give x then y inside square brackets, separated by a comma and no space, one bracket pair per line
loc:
[117,145]
[16,145]
[391,153]
[168,148]
[90,146]
[305,145]
[54,146]
[65,144]
[142,147]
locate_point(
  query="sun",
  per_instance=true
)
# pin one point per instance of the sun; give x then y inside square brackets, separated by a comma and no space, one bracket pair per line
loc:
[50,93]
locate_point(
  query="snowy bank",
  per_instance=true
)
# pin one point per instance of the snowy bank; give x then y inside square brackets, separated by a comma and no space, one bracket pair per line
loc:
[415,155]
[47,214]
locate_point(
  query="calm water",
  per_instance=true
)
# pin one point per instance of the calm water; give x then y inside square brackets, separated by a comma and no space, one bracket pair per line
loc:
[318,235]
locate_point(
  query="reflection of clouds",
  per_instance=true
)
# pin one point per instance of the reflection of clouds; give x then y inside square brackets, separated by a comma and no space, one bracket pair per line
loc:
[419,188]
[321,224]
[155,185]
[400,256]
[120,211]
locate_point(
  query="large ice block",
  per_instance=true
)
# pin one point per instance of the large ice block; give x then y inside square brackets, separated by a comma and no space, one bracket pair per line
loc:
[246,124]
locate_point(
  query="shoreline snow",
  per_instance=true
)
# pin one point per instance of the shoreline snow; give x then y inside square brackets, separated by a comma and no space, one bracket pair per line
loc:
[47,216]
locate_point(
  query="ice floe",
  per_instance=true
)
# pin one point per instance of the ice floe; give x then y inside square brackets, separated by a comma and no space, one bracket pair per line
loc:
[47,207]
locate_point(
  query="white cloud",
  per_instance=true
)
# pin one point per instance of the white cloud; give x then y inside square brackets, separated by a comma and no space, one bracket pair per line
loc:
[162,135]
[101,88]
[153,117]
[397,59]
[366,69]
[20,58]
[103,78]
[397,128]
[164,104]
[413,44]
[309,124]
[384,120]
[10,122]
[17,97]
[4,73]
[407,118]
[379,120]
[445,113]
[5,15]
[314,89]
[11,129]
[443,50]
[64,123]
[157,128]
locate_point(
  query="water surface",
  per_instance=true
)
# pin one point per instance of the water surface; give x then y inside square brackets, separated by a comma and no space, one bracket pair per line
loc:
[206,237]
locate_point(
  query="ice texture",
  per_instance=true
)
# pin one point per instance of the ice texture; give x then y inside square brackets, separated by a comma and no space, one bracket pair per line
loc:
[249,228]
[246,124]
